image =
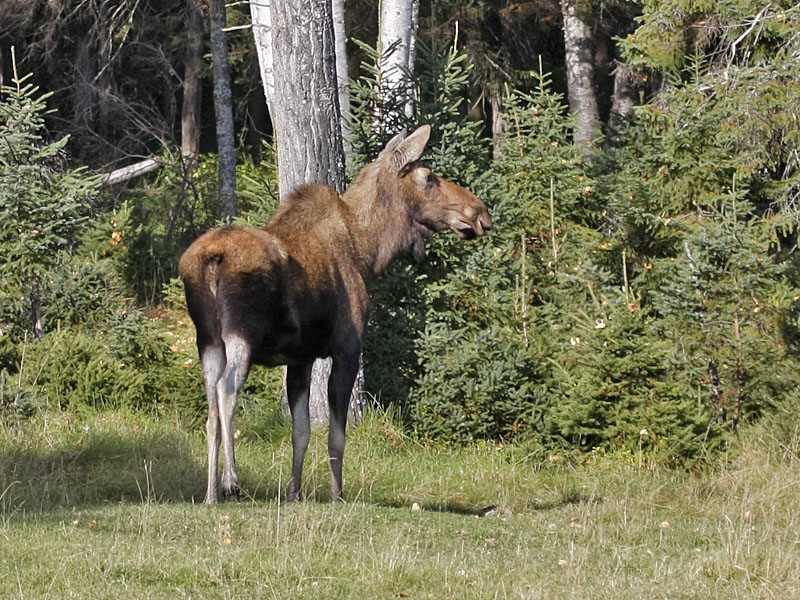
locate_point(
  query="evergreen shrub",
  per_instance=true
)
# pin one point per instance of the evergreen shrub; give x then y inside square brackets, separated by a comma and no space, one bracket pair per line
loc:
[639,298]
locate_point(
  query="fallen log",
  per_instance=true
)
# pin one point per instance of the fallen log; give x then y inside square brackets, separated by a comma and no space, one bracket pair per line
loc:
[125,173]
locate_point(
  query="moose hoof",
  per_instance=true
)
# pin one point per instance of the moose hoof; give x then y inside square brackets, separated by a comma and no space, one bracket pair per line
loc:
[232,493]
[293,494]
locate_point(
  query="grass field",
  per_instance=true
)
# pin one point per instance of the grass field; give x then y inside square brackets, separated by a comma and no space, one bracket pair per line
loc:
[104,505]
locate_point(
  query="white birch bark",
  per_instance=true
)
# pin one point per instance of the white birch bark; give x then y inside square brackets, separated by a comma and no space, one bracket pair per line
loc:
[262,34]
[397,47]
[342,74]
[580,73]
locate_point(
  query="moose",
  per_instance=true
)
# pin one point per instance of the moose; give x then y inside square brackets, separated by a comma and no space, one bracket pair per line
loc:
[296,291]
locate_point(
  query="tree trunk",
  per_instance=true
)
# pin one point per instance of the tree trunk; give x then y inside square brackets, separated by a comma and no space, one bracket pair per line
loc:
[261,17]
[627,90]
[223,109]
[305,115]
[580,73]
[397,46]
[305,111]
[190,111]
[342,75]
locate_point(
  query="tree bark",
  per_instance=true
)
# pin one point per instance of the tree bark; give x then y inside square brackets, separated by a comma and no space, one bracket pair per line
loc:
[190,110]
[36,310]
[223,109]
[261,17]
[305,114]
[342,75]
[580,72]
[397,44]
[627,90]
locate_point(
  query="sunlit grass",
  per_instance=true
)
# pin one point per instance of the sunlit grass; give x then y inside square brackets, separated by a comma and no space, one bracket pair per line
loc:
[102,505]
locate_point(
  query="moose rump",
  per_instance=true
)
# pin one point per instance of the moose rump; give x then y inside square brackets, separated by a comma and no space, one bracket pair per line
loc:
[296,291]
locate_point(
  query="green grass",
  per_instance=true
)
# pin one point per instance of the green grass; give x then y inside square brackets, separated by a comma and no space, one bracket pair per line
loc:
[102,505]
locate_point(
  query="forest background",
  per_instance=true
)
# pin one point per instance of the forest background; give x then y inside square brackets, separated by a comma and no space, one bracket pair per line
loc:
[640,291]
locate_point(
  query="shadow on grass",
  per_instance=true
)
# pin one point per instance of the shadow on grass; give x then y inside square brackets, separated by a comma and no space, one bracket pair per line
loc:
[485,510]
[100,468]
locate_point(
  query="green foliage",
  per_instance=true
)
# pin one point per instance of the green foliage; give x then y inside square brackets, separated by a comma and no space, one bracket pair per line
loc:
[671,33]
[128,364]
[640,300]
[43,206]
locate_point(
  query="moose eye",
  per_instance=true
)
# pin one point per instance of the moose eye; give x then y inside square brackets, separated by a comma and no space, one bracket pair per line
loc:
[430,180]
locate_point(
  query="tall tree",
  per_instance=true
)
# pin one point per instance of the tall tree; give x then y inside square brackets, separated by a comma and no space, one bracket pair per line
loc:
[223,109]
[399,20]
[580,70]
[305,113]
[342,73]
[190,111]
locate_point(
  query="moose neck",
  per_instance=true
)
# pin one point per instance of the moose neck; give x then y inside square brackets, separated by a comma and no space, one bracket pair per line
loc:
[383,227]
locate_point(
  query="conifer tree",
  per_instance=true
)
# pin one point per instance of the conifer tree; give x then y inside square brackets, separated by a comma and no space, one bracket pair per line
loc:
[43,205]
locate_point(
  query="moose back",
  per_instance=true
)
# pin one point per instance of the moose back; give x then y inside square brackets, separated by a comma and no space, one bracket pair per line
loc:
[296,291]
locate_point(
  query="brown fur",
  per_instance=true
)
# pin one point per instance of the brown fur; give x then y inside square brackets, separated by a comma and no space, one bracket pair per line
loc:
[297,289]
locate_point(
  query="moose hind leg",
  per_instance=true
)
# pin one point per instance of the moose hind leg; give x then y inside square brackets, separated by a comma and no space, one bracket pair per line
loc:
[237,354]
[213,360]
[340,387]
[298,381]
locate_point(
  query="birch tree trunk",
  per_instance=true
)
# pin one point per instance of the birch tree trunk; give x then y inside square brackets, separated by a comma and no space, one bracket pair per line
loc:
[306,117]
[261,18]
[342,75]
[397,44]
[580,72]
[223,110]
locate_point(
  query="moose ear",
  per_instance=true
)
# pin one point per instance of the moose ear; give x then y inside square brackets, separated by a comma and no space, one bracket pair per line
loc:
[408,150]
[393,143]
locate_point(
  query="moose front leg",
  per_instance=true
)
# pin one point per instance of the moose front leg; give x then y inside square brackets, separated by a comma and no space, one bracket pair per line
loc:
[340,388]
[298,382]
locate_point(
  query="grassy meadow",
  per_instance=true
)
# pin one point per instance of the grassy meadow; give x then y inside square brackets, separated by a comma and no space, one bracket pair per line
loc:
[106,505]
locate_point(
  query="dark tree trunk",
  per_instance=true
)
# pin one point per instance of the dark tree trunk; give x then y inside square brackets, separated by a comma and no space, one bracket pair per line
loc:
[223,108]
[580,72]
[190,111]
[628,87]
